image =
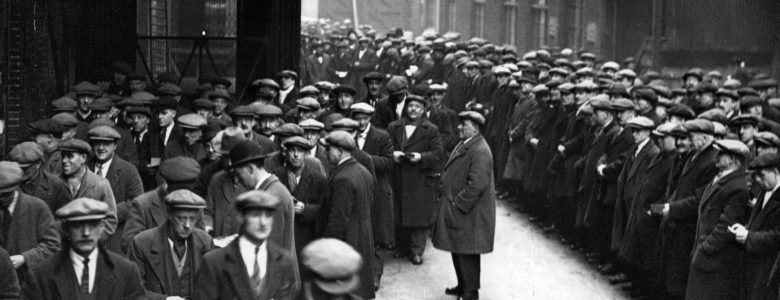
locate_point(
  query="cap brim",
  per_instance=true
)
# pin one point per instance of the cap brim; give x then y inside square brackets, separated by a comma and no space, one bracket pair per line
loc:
[183,206]
[338,286]
[85,218]
[248,159]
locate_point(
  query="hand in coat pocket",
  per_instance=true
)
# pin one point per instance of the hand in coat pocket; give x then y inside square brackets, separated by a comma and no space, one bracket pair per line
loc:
[453,217]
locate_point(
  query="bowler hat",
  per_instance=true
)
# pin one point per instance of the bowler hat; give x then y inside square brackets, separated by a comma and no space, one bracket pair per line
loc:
[245,152]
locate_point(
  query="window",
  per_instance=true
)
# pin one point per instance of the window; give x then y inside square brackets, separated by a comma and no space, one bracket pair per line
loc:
[450,16]
[540,24]
[478,27]
[510,19]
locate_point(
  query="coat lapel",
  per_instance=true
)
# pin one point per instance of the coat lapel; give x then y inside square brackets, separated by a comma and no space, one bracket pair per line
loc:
[237,272]
[156,258]
[104,278]
[771,205]
[462,150]
[65,278]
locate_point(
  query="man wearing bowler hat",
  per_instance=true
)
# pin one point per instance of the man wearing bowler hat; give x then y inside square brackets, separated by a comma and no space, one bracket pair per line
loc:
[467,209]
[169,255]
[252,266]
[82,183]
[345,211]
[83,269]
[36,181]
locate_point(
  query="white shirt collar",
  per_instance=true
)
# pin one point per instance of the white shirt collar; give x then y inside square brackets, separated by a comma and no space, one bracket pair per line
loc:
[263,176]
[247,249]
[13,202]
[105,166]
[343,160]
[78,266]
[641,146]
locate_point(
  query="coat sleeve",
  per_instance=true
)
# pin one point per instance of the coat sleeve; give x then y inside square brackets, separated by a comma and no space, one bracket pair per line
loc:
[383,161]
[134,289]
[108,197]
[434,155]
[134,224]
[733,212]
[48,238]
[477,180]
[9,283]
[134,189]
[341,206]
[763,242]
[208,213]
[205,281]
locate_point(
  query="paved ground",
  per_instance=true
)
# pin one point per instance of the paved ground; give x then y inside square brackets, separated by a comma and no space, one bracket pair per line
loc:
[524,265]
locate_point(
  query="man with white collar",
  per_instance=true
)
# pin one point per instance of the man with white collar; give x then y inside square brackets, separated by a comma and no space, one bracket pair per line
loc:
[83,269]
[289,91]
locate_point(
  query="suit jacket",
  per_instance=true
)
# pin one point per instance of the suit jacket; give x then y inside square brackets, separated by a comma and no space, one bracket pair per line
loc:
[156,146]
[309,191]
[115,278]
[443,118]
[145,212]
[98,188]
[761,249]
[47,187]
[151,251]
[222,275]
[316,71]
[125,147]
[384,113]
[126,185]
[33,232]
[219,213]
[379,147]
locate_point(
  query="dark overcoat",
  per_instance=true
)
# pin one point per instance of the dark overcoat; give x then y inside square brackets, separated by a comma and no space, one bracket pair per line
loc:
[546,126]
[628,184]
[520,154]
[761,249]
[414,184]
[116,277]
[345,214]
[220,213]
[126,185]
[309,191]
[47,187]
[9,283]
[717,257]
[379,146]
[146,211]
[151,252]
[33,232]
[466,221]
[98,188]
[222,275]
[590,184]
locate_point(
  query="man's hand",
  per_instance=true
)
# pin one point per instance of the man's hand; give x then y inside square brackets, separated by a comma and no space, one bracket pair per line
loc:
[665,211]
[299,207]
[740,232]
[174,298]
[397,156]
[561,148]
[600,169]
[534,142]
[17,260]
[416,157]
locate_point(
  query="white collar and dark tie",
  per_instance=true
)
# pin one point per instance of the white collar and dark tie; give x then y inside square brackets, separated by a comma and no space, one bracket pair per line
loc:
[101,169]
[255,257]
[641,146]
[361,137]
[78,266]
[167,130]
[768,195]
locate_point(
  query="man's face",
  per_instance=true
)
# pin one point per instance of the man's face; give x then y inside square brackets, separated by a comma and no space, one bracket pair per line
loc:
[698,140]
[183,221]
[43,139]
[287,82]
[220,87]
[104,150]
[414,109]
[363,120]
[306,114]
[746,133]
[257,223]
[139,122]
[84,101]
[312,135]
[30,170]
[724,161]
[84,235]
[72,162]
[766,178]
[345,100]
[467,129]
[526,87]
[220,104]
[270,90]
[667,143]
[727,104]
[268,124]
[165,117]
[643,105]
[192,136]
[101,115]
[683,145]
[691,81]
[640,135]
[245,123]
[502,79]
[119,78]
[706,99]
[756,110]
[137,86]
[295,156]
[205,112]
[437,97]
[626,115]
[374,87]
[472,72]
[244,175]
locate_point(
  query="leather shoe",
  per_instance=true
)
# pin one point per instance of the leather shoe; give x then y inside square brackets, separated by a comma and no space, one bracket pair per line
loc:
[416,259]
[469,296]
[455,291]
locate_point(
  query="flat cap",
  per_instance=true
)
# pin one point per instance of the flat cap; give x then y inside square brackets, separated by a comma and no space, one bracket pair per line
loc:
[26,153]
[243,111]
[641,123]
[168,77]
[203,103]
[287,130]
[540,89]
[665,129]
[362,108]
[257,200]
[87,88]
[619,89]
[373,76]
[345,124]
[610,65]
[287,73]
[699,125]
[695,72]
[339,138]
[560,71]
[266,82]
[473,116]
[184,199]
[438,87]
[344,89]
[732,84]
[733,147]
[600,104]
[247,151]
[298,141]
[715,115]
[309,91]
[647,94]
[165,102]
[679,131]
[169,89]
[220,80]
[723,92]
[744,119]
[82,209]
[191,121]
[139,110]
[750,101]
[145,97]
[101,105]
[680,110]
[765,161]
[308,103]
[101,122]
[397,84]
[47,126]
[103,133]
[335,263]
[179,169]
[75,145]
[220,94]
[622,104]
[267,110]
[626,73]
[767,139]
[311,124]
[230,137]
[65,103]
[587,55]
[66,119]
[501,70]
[10,176]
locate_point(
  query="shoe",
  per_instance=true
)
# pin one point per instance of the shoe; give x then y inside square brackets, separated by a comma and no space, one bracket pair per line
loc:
[619,278]
[416,259]
[377,280]
[455,291]
[469,296]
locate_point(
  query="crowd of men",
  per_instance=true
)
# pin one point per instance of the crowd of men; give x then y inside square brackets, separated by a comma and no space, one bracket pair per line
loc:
[135,188]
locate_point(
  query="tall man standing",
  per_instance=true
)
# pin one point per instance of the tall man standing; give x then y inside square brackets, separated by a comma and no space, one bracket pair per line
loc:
[467,209]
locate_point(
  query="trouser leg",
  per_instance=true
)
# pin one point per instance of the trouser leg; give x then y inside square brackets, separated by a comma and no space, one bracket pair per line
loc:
[470,271]
[458,272]
[418,237]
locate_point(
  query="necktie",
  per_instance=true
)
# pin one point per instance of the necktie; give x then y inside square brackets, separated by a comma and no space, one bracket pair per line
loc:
[180,247]
[5,223]
[257,280]
[99,168]
[84,285]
